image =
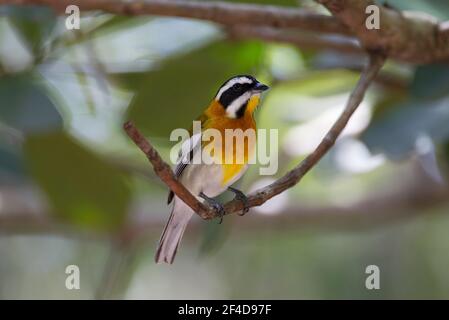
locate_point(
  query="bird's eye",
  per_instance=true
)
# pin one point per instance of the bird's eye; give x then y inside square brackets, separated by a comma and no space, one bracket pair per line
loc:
[237,86]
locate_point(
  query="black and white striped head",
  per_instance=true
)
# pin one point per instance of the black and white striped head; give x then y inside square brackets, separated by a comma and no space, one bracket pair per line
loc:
[236,92]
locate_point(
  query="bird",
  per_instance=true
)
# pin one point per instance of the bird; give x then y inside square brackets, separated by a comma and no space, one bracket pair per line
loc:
[232,107]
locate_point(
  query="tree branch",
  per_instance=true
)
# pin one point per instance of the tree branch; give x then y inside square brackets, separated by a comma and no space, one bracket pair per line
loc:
[287,181]
[407,36]
[415,195]
[163,170]
[219,12]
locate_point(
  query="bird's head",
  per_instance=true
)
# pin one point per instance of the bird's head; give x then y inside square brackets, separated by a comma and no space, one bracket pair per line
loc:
[240,94]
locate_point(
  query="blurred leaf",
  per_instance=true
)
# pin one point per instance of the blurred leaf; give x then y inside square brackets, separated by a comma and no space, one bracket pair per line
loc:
[430,81]
[427,158]
[323,82]
[213,236]
[82,188]
[11,163]
[446,156]
[389,100]
[396,132]
[119,23]
[397,125]
[34,23]
[437,8]
[26,106]
[290,3]
[176,93]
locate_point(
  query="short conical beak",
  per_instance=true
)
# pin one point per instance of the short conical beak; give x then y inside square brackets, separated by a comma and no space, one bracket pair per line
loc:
[261,87]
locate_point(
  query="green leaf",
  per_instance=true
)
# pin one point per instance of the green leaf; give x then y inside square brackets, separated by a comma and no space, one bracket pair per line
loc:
[430,81]
[11,163]
[397,124]
[388,101]
[119,23]
[176,93]
[437,8]
[213,236]
[445,155]
[26,106]
[396,132]
[290,3]
[33,23]
[81,187]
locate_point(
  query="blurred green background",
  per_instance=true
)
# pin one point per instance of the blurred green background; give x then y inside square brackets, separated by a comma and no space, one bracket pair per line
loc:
[75,190]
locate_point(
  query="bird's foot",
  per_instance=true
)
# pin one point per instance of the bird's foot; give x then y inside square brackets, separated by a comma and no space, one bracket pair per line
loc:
[240,196]
[217,206]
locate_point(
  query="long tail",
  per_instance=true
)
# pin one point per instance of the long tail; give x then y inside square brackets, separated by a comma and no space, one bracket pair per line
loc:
[172,234]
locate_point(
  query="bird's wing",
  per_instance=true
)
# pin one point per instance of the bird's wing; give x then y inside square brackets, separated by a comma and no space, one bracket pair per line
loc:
[188,148]
[187,151]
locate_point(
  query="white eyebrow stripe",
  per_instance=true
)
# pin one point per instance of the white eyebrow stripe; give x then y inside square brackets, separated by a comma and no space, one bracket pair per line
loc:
[234,107]
[230,83]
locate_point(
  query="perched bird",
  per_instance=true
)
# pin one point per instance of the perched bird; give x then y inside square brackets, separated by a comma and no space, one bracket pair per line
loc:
[232,108]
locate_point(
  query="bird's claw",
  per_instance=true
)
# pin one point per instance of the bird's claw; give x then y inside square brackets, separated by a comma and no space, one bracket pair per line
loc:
[214,204]
[240,196]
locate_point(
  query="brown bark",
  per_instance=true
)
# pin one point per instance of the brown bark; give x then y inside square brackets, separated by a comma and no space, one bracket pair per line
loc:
[404,36]
[219,12]
[407,36]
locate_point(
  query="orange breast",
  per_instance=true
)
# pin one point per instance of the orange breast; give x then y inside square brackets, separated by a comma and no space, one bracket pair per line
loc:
[238,142]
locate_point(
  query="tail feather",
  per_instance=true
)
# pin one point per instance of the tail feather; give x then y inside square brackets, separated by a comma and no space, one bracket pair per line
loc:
[173,231]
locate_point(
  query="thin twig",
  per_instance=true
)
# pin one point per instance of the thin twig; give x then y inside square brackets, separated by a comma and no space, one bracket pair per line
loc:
[259,197]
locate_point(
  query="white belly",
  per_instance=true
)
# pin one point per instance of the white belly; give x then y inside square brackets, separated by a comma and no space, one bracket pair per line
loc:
[207,179]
